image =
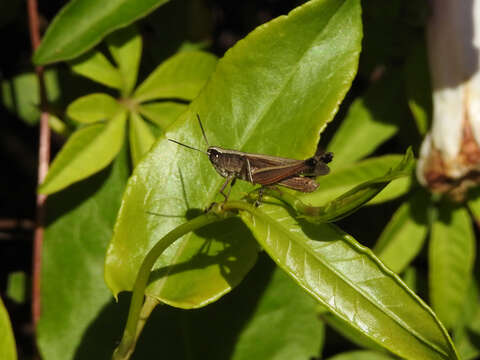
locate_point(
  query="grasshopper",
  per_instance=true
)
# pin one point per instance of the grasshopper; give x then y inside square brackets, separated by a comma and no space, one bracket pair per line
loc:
[265,170]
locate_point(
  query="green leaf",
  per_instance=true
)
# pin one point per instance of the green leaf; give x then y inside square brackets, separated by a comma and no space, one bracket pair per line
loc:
[81,24]
[95,66]
[17,286]
[7,341]
[125,45]
[411,278]
[451,256]
[467,329]
[74,295]
[283,326]
[473,203]
[340,181]
[361,355]
[163,114]
[417,81]
[403,237]
[20,95]
[248,97]
[86,152]
[93,107]
[371,120]
[348,202]
[395,189]
[141,137]
[351,282]
[181,76]
[348,331]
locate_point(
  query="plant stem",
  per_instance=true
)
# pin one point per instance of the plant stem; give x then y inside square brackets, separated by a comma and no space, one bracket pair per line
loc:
[135,322]
[43,160]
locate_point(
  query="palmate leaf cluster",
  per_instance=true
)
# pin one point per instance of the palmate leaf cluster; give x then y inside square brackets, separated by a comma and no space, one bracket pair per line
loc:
[273,92]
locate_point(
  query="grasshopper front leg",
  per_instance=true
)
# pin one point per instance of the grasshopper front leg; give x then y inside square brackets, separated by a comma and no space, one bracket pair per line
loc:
[229,178]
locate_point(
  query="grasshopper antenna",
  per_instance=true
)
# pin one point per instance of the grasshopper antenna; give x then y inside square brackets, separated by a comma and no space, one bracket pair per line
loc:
[203,131]
[187,146]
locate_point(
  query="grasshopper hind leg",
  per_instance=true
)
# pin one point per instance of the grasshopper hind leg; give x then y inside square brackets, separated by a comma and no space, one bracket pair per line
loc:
[261,192]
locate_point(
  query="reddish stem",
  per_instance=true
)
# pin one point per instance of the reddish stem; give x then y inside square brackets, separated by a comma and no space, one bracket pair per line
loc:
[43,160]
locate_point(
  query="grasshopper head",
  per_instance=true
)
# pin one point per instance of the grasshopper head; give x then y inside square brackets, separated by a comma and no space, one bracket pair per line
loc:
[214,154]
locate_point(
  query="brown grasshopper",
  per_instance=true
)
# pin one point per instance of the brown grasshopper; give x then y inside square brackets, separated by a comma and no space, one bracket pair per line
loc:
[265,170]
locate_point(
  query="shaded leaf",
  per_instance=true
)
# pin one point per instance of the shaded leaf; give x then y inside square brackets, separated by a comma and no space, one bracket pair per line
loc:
[419,92]
[410,277]
[74,294]
[87,151]
[20,95]
[473,203]
[451,255]
[371,120]
[467,329]
[95,66]
[283,326]
[125,45]
[181,76]
[351,282]
[93,107]
[163,114]
[81,24]
[7,341]
[141,137]
[248,96]
[17,286]
[403,237]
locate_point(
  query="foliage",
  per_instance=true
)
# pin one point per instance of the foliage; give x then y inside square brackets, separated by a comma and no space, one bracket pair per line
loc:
[126,210]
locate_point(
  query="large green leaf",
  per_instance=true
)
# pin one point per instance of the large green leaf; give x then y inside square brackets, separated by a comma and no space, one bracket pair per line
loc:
[403,237]
[451,257]
[269,94]
[80,223]
[181,76]
[370,121]
[351,282]
[87,151]
[81,24]
[7,341]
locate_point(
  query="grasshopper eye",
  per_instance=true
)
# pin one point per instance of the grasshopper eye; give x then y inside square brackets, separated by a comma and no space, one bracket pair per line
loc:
[213,154]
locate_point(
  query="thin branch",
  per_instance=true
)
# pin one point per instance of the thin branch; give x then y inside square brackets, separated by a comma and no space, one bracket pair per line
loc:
[14,224]
[43,160]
